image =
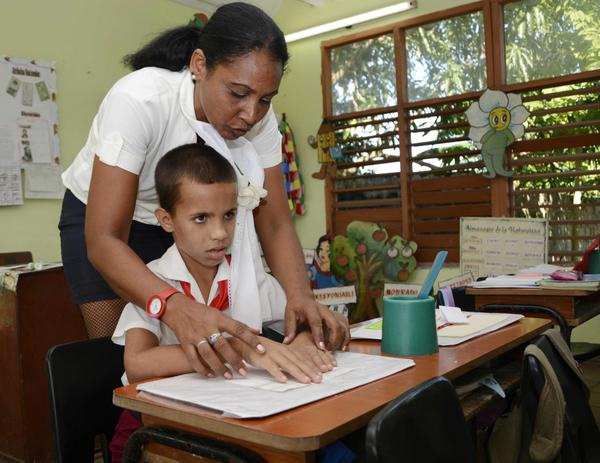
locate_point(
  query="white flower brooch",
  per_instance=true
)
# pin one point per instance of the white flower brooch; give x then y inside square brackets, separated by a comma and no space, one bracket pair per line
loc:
[249,195]
[496,122]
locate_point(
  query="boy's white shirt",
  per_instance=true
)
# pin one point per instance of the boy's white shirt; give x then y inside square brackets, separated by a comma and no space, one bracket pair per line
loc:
[172,269]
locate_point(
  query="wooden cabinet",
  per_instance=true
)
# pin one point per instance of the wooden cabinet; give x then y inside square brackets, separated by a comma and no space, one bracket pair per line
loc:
[35,317]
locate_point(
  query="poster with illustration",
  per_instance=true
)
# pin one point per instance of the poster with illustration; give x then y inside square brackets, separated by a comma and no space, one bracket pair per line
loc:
[28,112]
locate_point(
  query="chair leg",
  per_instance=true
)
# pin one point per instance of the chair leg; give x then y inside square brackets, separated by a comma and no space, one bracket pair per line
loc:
[197,445]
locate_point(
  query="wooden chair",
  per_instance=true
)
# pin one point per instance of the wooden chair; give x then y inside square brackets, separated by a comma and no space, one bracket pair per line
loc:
[15,258]
[81,378]
[423,424]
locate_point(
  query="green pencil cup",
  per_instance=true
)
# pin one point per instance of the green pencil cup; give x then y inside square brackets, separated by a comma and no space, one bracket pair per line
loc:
[409,326]
[594,261]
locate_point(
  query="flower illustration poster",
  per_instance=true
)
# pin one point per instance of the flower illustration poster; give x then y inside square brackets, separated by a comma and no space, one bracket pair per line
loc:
[496,122]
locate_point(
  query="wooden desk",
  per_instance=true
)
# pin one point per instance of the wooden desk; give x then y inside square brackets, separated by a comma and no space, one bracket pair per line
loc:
[38,315]
[293,436]
[576,306]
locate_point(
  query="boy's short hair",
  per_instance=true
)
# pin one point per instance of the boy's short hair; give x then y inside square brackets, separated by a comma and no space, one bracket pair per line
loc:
[195,162]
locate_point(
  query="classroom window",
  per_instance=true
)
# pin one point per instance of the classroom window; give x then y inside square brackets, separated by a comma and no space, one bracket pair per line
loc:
[411,166]
[446,57]
[363,75]
[550,38]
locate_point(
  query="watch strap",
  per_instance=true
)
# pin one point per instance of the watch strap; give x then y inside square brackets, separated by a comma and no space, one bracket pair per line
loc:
[162,297]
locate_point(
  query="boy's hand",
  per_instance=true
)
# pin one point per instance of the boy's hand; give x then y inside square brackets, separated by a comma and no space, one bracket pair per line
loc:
[194,324]
[304,346]
[329,329]
[279,358]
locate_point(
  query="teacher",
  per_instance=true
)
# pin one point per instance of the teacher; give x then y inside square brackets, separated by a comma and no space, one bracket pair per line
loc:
[187,84]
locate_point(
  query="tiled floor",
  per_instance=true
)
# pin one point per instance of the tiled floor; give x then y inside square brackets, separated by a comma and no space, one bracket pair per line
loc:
[591,371]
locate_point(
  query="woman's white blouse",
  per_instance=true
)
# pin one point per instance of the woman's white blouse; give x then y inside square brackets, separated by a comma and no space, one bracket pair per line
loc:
[139,120]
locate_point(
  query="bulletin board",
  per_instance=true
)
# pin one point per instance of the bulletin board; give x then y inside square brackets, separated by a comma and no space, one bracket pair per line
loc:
[28,129]
[503,245]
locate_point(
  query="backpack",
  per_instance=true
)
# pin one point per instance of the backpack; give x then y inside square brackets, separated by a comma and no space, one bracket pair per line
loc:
[551,420]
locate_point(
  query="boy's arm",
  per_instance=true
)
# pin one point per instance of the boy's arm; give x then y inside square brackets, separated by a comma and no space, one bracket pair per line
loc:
[301,359]
[145,358]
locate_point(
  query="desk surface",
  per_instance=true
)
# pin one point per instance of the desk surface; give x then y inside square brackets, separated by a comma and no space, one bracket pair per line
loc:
[315,425]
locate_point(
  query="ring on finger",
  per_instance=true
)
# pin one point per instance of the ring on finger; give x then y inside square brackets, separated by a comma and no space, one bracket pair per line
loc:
[199,343]
[212,339]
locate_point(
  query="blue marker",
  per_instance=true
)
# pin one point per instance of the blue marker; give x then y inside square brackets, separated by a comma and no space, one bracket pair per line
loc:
[433,274]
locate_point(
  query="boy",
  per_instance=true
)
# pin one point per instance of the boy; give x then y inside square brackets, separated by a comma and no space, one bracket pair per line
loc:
[197,191]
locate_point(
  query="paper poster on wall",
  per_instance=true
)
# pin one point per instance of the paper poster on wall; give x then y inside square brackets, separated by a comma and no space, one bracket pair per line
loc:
[502,245]
[11,193]
[43,181]
[28,112]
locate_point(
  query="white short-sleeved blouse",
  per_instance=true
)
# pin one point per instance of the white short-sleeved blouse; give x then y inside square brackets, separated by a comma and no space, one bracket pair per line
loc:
[140,119]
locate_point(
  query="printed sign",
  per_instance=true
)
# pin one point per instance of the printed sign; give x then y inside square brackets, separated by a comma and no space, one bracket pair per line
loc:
[400,289]
[461,280]
[336,295]
[502,245]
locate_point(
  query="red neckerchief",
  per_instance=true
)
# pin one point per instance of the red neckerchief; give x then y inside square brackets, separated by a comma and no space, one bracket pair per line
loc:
[221,300]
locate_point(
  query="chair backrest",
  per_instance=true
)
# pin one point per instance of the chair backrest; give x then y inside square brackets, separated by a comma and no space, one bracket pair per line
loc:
[423,424]
[81,378]
[580,435]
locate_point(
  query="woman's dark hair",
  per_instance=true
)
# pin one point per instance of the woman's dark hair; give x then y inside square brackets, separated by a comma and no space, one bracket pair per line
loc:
[233,30]
[196,163]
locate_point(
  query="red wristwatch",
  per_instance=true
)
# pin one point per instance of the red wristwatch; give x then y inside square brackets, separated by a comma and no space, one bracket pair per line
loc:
[157,303]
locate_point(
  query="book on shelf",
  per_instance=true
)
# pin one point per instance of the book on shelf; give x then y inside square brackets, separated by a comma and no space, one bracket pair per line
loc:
[519,280]
[589,283]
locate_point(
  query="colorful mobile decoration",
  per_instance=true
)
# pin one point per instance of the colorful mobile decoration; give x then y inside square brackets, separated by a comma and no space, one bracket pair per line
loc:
[294,186]
[496,122]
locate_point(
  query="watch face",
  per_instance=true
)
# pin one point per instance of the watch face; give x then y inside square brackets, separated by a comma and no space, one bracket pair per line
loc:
[154,306]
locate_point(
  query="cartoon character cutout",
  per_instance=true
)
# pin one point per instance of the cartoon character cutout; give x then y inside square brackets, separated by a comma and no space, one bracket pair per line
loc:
[496,122]
[327,148]
[319,271]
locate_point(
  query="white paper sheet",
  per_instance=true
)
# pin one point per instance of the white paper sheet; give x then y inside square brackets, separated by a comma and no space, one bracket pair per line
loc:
[8,145]
[235,400]
[11,193]
[43,181]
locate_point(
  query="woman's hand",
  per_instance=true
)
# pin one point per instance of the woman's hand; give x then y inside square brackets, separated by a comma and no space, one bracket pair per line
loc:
[279,358]
[199,329]
[329,329]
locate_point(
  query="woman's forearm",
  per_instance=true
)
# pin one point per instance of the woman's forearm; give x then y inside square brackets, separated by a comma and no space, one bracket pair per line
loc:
[279,240]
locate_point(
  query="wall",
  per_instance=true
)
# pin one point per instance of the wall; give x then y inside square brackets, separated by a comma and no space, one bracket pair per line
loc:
[86,39]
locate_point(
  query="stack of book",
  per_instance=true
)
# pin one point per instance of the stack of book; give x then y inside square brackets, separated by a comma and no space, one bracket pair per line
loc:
[519,280]
[590,282]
